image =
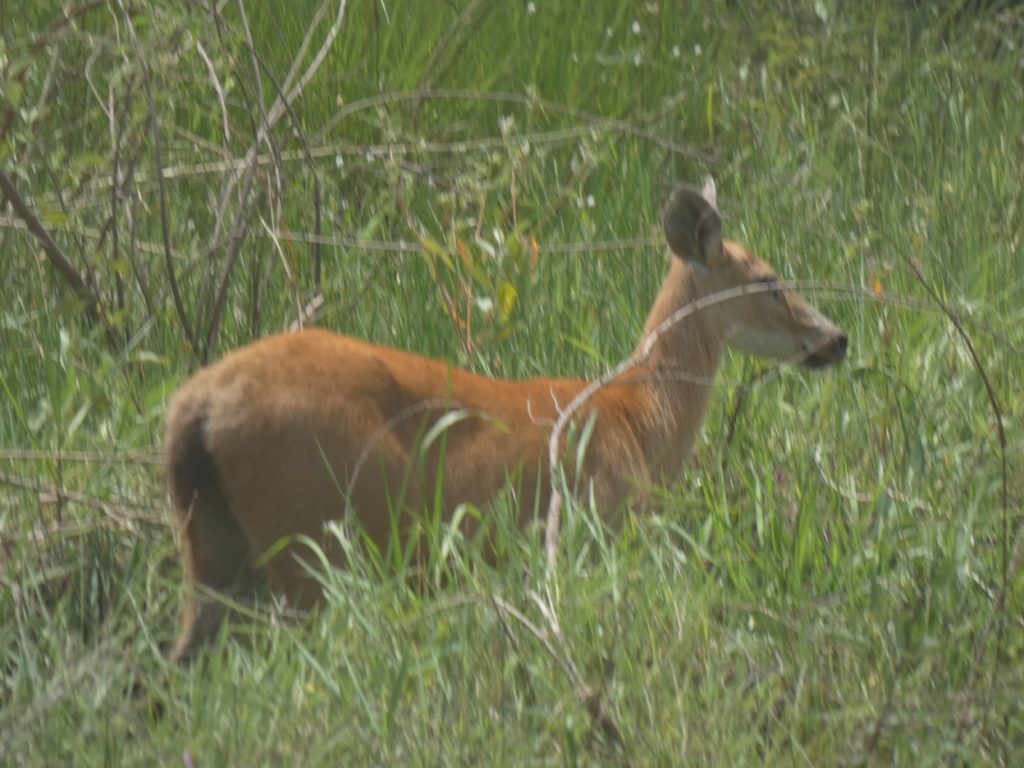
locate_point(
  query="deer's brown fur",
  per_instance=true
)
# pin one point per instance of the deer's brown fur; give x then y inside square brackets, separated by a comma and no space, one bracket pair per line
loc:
[290,432]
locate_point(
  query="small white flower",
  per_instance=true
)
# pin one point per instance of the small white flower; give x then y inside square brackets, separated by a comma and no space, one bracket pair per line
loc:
[338,161]
[676,53]
[485,304]
[506,123]
[697,50]
[590,201]
[637,59]
[531,8]
[744,71]
[636,27]
[607,31]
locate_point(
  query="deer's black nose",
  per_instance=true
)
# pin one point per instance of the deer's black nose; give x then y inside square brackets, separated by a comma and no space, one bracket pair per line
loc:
[841,344]
[827,352]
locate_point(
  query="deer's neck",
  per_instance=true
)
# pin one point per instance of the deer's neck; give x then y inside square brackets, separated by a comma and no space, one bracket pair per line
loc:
[674,378]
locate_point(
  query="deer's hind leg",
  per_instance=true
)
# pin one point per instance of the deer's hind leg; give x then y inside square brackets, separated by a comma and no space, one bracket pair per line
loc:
[216,553]
[218,568]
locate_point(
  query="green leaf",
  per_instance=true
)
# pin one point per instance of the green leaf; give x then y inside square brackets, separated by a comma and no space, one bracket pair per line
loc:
[85,160]
[507,295]
[145,356]
[69,307]
[14,92]
[54,216]
[474,270]
[434,248]
[371,227]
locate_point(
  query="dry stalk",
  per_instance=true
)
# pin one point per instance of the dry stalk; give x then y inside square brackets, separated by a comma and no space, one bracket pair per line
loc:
[279,108]
[53,252]
[1001,615]
[127,517]
[179,304]
[68,15]
[554,643]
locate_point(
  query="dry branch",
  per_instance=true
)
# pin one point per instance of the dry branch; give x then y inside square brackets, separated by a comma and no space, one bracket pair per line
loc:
[996,410]
[317,195]
[553,641]
[53,251]
[68,15]
[125,516]
[153,456]
[1001,615]
[280,107]
[179,304]
[591,121]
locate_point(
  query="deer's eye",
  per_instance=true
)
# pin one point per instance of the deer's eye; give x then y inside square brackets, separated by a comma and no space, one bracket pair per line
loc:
[777,293]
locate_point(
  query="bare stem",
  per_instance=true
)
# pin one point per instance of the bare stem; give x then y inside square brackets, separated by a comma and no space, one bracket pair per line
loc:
[179,304]
[53,252]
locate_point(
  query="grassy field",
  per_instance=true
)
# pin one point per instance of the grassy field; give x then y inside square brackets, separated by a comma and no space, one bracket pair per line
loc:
[835,580]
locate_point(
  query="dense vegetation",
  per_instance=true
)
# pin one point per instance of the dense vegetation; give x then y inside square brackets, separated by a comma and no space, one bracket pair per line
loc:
[836,579]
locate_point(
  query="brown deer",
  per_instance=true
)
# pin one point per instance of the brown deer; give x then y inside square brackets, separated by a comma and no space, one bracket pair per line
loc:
[279,437]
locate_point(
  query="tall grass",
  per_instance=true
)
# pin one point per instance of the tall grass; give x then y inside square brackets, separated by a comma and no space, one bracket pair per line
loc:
[836,578]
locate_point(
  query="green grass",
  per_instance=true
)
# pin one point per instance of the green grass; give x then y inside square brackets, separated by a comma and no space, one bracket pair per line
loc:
[823,588]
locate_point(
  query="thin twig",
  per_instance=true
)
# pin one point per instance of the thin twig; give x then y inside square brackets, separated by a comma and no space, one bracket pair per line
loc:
[307,40]
[53,251]
[218,89]
[589,696]
[234,247]
[68,14]
[388,150]
[56,57]
[463,20]
[125,516]
[594,121]
[179,304]
[274,179]
[138,268]
[317,196]
[996,410]
[278,109]
[1001,614]
[152,456]
[242,218]
[116,126]
[734,413]
[292,282]
[241,221]
[407,246]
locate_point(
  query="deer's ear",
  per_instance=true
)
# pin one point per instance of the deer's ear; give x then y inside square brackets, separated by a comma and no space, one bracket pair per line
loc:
[709,192]
[693,227]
